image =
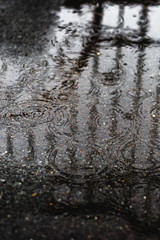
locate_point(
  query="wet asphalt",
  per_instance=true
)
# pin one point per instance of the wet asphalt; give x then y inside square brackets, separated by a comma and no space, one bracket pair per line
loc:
[79,120]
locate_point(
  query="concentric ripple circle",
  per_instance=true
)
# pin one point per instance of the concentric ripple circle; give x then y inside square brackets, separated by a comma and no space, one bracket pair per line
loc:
[80,164]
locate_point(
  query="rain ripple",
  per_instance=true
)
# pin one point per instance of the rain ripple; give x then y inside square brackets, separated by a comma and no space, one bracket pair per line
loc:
[72,161]
[138,94]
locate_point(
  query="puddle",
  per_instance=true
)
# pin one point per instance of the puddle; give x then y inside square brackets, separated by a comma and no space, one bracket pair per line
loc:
[79,119]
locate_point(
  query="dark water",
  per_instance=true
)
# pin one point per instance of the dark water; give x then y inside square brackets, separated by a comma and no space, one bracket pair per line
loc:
[79,119]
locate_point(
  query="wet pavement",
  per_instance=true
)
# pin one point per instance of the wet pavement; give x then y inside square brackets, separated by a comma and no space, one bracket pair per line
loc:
[79,120]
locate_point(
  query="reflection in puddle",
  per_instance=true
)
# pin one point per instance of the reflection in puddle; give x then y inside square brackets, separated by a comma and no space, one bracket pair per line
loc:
[154,19]
[83,113]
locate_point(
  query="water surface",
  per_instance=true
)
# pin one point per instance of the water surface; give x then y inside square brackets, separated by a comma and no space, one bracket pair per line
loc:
[79,119]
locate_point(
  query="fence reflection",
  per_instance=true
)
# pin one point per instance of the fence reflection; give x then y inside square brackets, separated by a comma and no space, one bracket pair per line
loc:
[94,133]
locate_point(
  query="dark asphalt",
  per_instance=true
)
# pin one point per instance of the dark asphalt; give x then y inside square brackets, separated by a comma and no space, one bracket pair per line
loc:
[79,120]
